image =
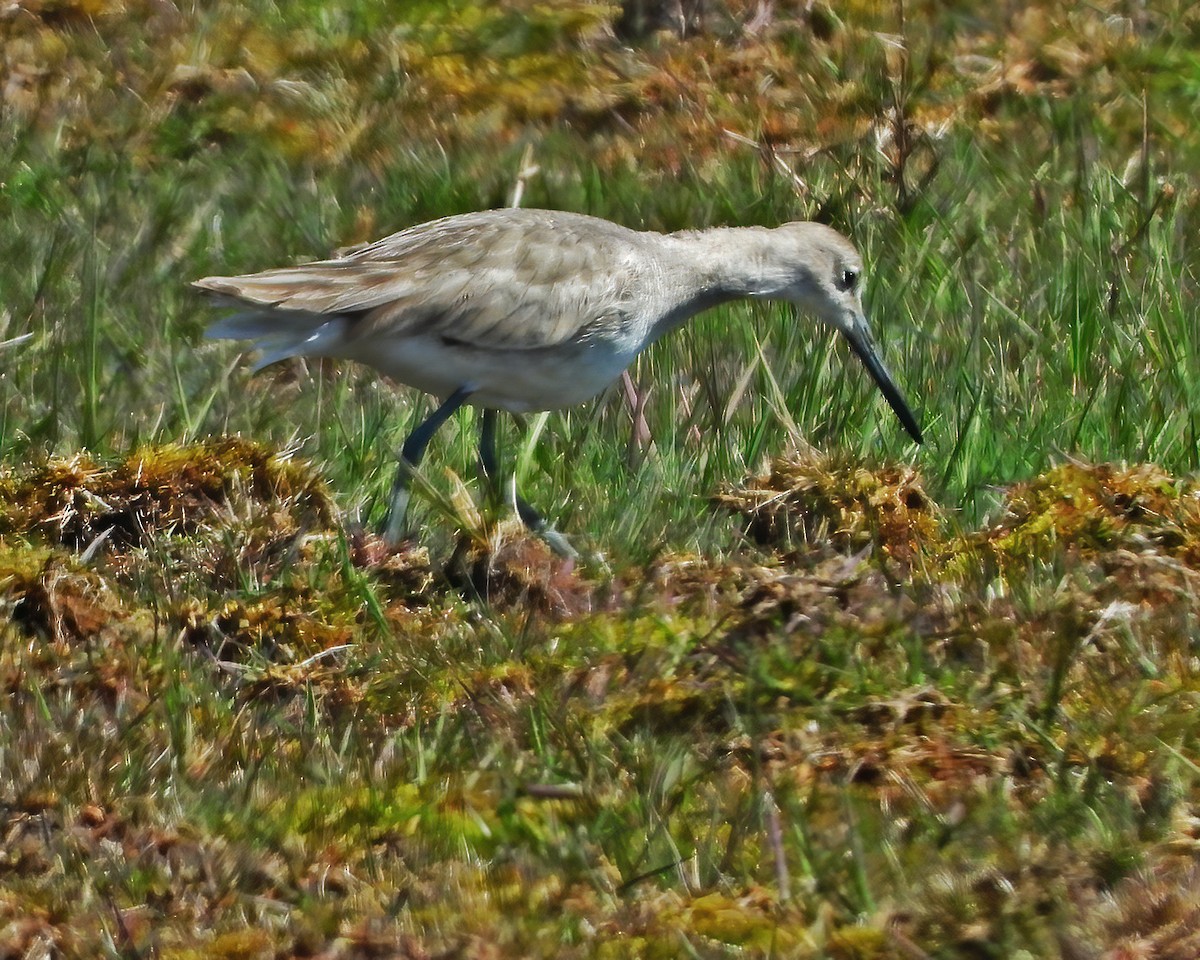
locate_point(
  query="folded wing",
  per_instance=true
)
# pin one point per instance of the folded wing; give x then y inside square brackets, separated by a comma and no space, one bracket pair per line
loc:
[519,279]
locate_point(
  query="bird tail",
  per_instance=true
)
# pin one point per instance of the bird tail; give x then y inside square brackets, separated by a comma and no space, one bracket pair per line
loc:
[276,333]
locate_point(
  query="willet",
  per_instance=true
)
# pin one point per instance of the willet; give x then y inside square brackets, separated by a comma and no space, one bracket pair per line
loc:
[528,310]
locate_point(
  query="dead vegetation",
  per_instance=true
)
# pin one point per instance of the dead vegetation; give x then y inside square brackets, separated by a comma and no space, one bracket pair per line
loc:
[864,653]
[164,491]
[803,503]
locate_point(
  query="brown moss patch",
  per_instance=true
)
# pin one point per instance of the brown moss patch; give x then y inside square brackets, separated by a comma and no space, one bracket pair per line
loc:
[838,593]
[804,501]
[53,598]
[693,583]
[284,626]
[516,569]
[171,488]
[404,569]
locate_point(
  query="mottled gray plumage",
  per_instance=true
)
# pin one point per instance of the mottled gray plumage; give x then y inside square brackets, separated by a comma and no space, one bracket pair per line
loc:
[525,310]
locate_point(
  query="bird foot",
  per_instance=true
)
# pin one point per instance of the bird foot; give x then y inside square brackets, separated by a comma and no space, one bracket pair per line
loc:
[559,543]
[538,524]
[395,528]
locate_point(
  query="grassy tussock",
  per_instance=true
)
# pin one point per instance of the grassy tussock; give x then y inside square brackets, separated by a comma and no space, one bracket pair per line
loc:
[741,754]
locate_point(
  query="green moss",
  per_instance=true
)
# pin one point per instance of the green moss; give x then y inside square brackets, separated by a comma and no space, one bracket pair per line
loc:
[1089,511]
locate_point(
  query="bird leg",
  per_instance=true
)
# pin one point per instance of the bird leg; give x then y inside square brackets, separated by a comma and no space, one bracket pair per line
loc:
[489,464]
[410,458]
[490,468]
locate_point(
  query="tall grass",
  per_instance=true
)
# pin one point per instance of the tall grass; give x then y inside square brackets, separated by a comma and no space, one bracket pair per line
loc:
[1032,309]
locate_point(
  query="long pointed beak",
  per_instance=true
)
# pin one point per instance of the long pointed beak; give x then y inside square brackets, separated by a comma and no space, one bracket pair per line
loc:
[863,345]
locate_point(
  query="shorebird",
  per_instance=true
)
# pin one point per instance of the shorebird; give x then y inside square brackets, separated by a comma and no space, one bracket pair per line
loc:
[527,310]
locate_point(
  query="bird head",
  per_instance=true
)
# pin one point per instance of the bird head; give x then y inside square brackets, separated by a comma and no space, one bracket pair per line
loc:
[817,269]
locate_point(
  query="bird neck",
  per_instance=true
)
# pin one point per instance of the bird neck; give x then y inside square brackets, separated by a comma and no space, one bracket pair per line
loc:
[711,267]
[728,262]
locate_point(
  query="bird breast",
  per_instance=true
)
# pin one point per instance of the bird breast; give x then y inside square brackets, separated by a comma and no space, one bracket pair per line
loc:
[519,381]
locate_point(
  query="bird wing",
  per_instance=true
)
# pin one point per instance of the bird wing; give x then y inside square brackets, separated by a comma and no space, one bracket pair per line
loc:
[513,279]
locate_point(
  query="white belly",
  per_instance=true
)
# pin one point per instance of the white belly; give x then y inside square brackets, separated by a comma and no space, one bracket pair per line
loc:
[518,381]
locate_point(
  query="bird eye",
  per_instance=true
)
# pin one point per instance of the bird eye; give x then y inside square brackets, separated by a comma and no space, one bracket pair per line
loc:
[848,280]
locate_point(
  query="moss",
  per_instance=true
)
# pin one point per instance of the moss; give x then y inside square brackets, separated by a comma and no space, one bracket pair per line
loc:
[1091,511]
[233,945]
[859,943]
[598,770]
[515,569]
[163,489]
[55,597]
[808,501]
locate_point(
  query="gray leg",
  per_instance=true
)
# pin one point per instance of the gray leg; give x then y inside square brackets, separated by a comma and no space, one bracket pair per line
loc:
[490,467]
[489,464]
[410,458]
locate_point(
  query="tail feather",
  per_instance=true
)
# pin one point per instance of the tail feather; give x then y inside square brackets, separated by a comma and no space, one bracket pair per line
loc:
[255,324]
[272,350]
[279,334]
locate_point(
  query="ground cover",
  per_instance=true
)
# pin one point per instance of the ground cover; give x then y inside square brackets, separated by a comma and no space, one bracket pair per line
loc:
[873,702]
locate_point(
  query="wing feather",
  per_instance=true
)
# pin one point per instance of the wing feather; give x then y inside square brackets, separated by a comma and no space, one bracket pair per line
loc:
[512,279]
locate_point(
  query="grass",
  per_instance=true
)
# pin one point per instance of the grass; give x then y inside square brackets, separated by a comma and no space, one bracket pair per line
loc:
[882,702]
